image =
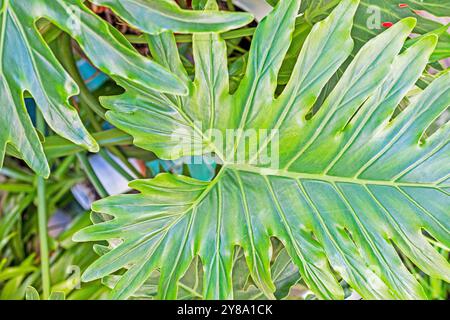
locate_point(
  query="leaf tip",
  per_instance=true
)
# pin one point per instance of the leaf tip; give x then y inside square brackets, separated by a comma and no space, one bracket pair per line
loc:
[88,275]
[354,2]
[96,206]
[246,17]
[178,87]
[432,39]
[93,145]
[44,172]
[409,22]
[79,236]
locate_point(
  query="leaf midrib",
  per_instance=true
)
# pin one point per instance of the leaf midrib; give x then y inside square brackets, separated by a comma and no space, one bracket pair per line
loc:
[322,177]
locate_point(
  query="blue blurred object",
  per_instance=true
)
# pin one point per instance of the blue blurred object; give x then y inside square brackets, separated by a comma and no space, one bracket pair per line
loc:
[93,78]
[201,168]
[107,126]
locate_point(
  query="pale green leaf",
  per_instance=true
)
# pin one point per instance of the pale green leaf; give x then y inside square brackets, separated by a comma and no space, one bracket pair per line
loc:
[156,16]
[31,294]
[28,65]
[353,185]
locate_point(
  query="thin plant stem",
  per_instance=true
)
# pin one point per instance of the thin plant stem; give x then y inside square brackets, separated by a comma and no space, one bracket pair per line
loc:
[230,5]
[43,240]
[16,187]
[42,222]
[64,167]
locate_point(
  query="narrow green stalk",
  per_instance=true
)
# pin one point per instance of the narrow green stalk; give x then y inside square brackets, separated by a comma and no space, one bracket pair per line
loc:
[90,116]
[237,48]
[230,5]
[42,222]
[114,150]
[190,290]
[63,167]
[16,174]
[16,187]
[48,31]
[56,197]
[43,240]
[91,175]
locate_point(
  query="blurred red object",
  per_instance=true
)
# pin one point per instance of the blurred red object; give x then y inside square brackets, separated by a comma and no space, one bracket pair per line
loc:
[98,9]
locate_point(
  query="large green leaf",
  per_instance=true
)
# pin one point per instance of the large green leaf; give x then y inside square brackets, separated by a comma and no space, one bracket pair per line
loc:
[155,16]
[352,187]
[28,65]
[372,18]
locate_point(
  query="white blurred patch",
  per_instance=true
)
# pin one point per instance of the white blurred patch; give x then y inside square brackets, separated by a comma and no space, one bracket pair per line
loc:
[112,180]
[259,8]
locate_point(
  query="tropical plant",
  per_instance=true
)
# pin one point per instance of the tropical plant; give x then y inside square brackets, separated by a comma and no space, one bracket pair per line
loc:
[48,83]
[304,156]
[358,181]
[371,18]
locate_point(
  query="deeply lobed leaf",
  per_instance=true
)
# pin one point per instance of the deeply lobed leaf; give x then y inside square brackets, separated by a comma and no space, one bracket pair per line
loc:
[354,185]
[44,78]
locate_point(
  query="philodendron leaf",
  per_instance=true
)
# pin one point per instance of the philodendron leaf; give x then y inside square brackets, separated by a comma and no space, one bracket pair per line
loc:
[156,16]
[376,15]
[372,18]
[27,64]
[344,191]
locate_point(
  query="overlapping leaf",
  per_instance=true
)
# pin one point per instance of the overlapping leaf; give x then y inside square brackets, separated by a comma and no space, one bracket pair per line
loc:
[372,18]
[352,187]
[155,16]
[284,274]
[28,65]
[374,13]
